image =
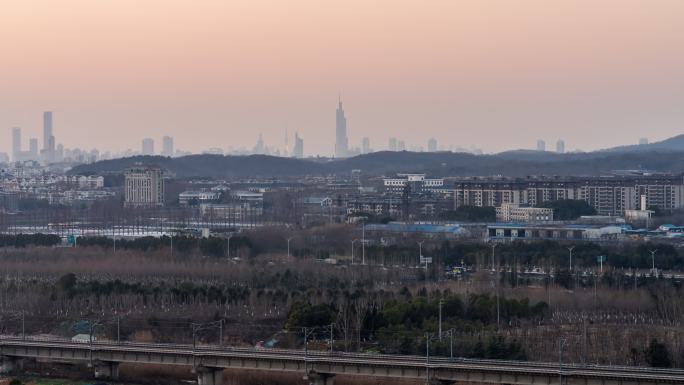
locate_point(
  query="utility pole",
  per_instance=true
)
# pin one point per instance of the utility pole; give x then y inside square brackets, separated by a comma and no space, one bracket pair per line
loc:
[653,252]
[561,342]
[352,242]
[451,344]
[221,333]
[172,245]
[584,340]
[427,358]
[363,241]
[441,302]
[307,331]
[118,330]
[23,325]
[331,338]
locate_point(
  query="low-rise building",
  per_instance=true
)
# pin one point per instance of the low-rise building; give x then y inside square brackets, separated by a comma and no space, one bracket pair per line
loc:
[193,198]
[524,231]
[509,212]
[417,183]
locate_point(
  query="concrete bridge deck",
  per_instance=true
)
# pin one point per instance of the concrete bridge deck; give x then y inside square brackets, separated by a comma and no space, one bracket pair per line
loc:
[320,368]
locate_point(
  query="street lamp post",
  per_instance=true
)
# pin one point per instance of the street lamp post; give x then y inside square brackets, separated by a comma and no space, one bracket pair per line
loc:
[288,246]
[653,252]
[570,249]
[441,302]
[228,245]
[352,250]
[498,318]
[363,241]
[420,254]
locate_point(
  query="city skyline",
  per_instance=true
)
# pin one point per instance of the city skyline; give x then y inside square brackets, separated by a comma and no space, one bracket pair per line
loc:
[494,76]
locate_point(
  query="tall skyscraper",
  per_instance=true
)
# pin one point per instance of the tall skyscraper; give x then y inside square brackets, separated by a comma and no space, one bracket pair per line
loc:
[432,145]
[298,148]
[48,152]
[541,145]
[392,146]
[401,145]
[560,146]
[33,148]
[259,148]
[16,144]
[365,146]
[148,146]
[47,130]
[167,146]
[341,142]
[643,141]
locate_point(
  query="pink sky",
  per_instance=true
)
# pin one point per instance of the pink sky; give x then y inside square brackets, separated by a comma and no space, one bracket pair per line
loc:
[494,74]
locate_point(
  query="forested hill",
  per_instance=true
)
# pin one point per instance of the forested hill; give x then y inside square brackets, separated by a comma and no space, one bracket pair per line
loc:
[515,163]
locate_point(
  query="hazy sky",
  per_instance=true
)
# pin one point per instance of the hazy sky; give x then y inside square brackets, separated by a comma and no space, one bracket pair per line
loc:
[494,74]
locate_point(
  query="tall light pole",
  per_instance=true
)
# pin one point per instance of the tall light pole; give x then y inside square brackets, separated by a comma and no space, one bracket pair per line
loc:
[228,244]
[570,249]
[363,241]
[653,252]
[441,302]
[498,318]
[420,253]
[288,246]
[352,242]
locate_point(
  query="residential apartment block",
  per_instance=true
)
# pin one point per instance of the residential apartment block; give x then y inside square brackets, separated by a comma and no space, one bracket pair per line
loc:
[611,195]
[144,187]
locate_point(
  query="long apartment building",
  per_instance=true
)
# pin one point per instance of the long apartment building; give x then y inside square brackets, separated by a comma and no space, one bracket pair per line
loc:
[610,195]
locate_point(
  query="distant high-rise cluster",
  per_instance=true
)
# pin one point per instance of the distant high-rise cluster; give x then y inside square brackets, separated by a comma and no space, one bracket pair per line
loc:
[365,146]
[148,146]
[541,145]
[560,146]
[167,146]
[432,145]
[341,140]
[298,148]
[643,141]
[47,154]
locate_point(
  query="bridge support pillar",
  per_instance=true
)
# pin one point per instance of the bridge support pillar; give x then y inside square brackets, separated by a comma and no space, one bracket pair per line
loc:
[10,364]
[108,370]
[209,376]
[316,378]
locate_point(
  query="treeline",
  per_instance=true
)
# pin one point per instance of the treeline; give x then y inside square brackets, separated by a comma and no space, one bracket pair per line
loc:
[211,246]
[23,240]
[404,324]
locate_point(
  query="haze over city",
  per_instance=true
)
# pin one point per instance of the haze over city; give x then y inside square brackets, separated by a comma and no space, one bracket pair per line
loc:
[492,75]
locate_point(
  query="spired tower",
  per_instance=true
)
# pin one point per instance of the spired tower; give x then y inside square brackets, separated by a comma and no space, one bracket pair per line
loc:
[341,143]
